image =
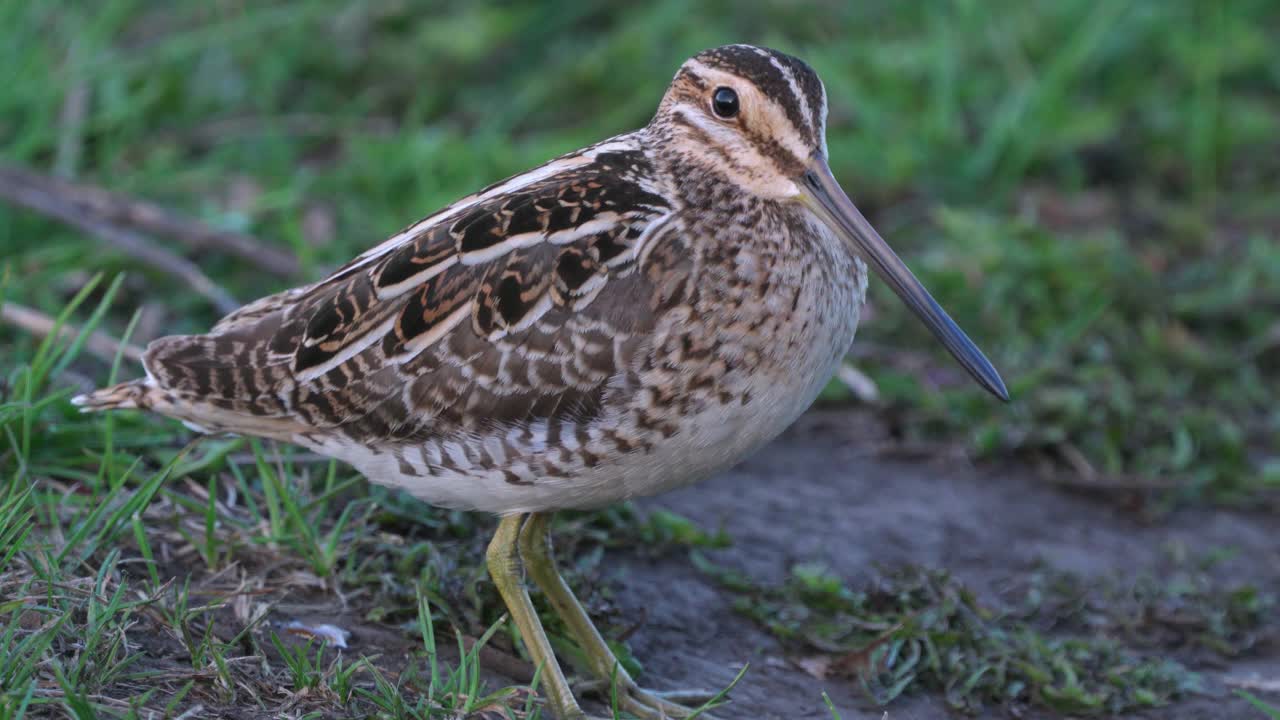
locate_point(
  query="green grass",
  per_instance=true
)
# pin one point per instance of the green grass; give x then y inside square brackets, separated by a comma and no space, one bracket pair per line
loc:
[1087,187]
[1268,710]
[98,623]
[101,620]
[1059,642]
[1101,230]
[924,631]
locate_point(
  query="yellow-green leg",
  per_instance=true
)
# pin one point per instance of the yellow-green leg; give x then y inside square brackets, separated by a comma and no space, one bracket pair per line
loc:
[505,571]
[535,549]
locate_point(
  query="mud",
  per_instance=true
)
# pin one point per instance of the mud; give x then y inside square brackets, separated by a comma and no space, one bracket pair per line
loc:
[818,493]
[827,491]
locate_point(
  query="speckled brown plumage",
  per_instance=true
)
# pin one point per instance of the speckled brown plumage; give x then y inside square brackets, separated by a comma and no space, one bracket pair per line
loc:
[551,325]
[619,321]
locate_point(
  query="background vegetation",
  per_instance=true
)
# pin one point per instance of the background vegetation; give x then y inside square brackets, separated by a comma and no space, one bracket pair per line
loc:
[1089,187]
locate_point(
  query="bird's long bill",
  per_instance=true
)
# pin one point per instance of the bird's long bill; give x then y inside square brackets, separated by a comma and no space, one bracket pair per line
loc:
[823,195]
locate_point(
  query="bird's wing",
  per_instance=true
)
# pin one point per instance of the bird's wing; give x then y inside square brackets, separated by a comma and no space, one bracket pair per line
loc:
[516,303]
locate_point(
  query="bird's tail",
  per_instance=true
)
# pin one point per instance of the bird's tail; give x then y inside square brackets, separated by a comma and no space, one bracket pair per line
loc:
[132,394]
[201,414]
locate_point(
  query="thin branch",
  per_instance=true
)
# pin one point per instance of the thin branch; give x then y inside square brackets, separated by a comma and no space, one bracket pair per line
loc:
[112,208]
[41,194]
[99,344]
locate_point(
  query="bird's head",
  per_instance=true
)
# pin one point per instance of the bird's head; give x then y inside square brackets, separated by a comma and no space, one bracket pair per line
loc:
[756,118]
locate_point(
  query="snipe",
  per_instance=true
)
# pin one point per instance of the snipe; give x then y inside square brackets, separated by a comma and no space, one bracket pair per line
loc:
[620,321]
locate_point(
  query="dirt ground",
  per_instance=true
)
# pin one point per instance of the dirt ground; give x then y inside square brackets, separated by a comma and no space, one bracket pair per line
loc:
[822,493]
[814,495]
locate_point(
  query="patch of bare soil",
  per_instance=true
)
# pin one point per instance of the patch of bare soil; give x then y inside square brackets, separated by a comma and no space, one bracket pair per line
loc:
[827,492]
[817,493]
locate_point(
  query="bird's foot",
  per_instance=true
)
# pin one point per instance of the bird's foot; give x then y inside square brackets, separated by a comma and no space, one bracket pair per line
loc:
[654,704]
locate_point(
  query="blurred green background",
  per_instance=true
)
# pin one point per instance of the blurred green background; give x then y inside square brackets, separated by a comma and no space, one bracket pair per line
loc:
[1090,187]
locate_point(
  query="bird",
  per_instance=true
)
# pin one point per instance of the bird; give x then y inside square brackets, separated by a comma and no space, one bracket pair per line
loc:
[623,320]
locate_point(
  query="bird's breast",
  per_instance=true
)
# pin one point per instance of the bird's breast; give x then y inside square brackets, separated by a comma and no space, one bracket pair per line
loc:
[752,330]
[770,320]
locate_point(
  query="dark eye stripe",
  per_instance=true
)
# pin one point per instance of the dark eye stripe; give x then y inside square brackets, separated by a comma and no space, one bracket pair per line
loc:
[750,64]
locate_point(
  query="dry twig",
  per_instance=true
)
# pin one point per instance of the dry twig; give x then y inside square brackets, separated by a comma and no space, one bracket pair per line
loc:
[19,184]
[48,195]
[99,344]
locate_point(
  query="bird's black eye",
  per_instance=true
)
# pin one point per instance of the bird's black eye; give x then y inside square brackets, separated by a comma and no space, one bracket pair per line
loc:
[725,102]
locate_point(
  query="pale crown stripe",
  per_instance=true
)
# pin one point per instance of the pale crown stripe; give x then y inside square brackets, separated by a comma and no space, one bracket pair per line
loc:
[805,112]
